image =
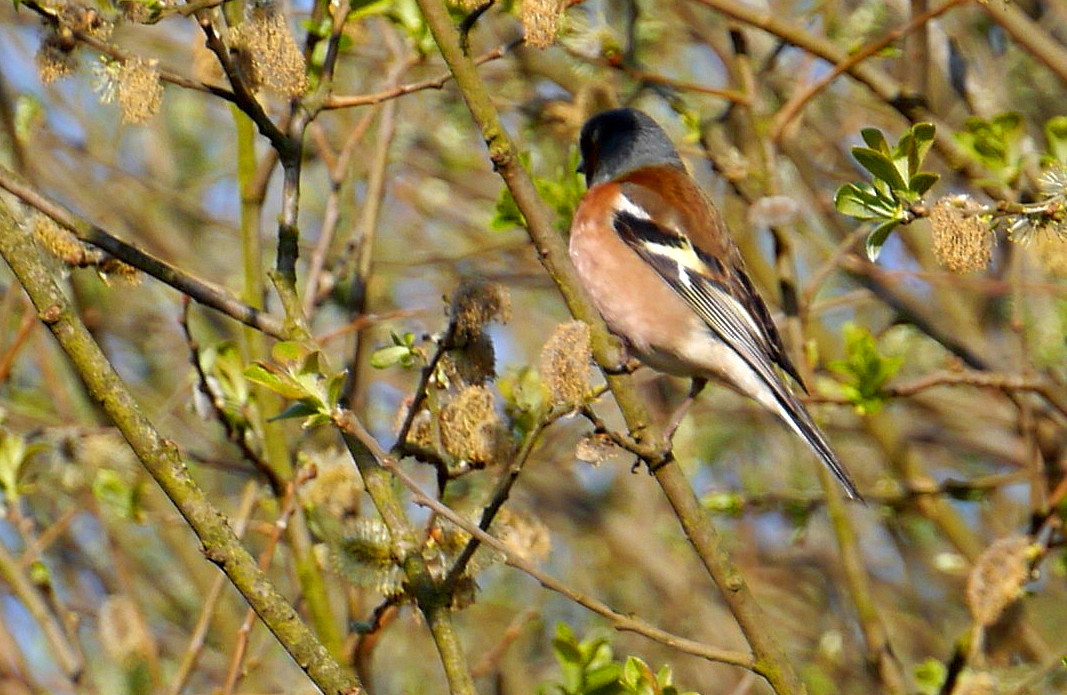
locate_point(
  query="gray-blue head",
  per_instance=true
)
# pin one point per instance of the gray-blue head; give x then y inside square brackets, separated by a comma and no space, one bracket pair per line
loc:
[619,141]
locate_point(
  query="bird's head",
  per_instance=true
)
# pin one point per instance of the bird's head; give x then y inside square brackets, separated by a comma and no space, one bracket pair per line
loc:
[619,141]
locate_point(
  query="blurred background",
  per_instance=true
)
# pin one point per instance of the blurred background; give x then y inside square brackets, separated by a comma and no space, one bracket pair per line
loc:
[937,371]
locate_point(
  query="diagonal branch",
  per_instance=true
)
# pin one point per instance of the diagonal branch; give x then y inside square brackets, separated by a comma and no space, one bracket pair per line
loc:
[163,462]
[796,104]
[771,658]
[199,290]
[375,454]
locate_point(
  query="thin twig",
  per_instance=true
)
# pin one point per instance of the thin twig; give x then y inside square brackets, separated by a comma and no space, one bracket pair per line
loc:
[288,506]
[67,655]
[237,435]
[22,333]
[163,462]
[1030,35]
[54,17]
[344,102]
[203,292]
[620,621]
[989,380]
[492,658]
[796,104]
[359,252]
[880,654]
[384,614]
[337,171]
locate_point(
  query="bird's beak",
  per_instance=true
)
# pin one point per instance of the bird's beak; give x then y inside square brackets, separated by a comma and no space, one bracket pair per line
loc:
[581,166]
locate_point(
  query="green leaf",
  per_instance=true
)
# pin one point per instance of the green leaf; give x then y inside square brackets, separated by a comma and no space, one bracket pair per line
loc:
[334,385]
[924,134]
[1009,122]
[896,181]
[562,189]
[121,498]
[1056,138]
[865,371]
[631,671]
[525,397]
[877,238]
[875,140]
[288,352]
[316,420]
[862,201]
[566,647]
[723,503]
[996,143]
[506,213]
[15,453]
[880,166]
[29,112]
[366,8]
[929,676]
[270,377]
[386,357]
[904,154]
[602,679]
[847,201]
[569,657]
[312,364]
[921,182]
[224,362]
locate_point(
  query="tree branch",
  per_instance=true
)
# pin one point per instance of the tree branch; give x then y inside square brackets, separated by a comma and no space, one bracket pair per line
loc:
[199,290]
[163,462]
[771,659]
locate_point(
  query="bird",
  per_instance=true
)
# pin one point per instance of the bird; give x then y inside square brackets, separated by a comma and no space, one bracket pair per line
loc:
[659,263]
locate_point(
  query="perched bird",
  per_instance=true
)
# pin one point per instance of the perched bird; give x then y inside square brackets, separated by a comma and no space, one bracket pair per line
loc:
[660,265]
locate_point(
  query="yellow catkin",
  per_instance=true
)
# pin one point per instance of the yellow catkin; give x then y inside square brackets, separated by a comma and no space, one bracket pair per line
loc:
[963,243]
[565,364]
[997,578]
[337,488]
[55,59]
[62,243]
[472,363]
[112,270]
[978,683]
[470,426]
[270,55]
[475,303]
[524,534]
[594,448]
[540,20]
[140,93]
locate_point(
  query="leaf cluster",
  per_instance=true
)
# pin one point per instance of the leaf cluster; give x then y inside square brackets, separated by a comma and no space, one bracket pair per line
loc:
[298,373]
[897,182]
[995,143]
[865,370]
[589,667]
[562,191]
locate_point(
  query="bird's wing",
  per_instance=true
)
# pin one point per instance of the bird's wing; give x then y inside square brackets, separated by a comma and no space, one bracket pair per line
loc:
[715,287]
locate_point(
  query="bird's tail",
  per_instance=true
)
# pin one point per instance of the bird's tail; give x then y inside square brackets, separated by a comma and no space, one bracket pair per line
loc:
[794,414]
